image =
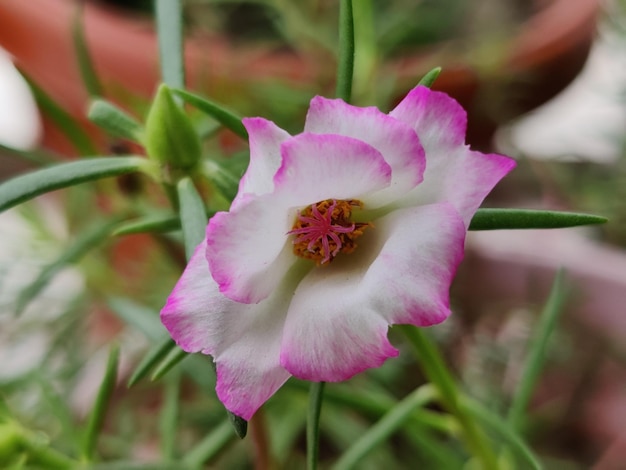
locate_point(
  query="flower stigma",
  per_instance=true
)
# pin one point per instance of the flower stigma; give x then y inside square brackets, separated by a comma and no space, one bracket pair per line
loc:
[323,230]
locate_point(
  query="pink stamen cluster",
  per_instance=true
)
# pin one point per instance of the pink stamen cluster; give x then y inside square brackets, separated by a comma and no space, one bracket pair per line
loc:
[320,228]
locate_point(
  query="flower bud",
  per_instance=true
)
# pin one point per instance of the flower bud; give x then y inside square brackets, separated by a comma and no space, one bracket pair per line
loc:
[170,137]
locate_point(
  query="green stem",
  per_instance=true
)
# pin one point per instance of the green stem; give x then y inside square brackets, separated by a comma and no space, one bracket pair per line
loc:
[437,373]
[345,67]
[316,393]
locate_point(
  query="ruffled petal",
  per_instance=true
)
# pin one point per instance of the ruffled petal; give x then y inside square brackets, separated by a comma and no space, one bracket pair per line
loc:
[248,248]
[316,167]
[440,122]
[454,173]
[397,141]
[265,138]
[400,273]
[462,178]
[243,339]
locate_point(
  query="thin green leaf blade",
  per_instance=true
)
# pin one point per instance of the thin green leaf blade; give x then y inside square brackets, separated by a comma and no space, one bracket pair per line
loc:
[138,316]
[62,175]
[38,156]
[83,57]
[192,215]
[96,419]
[537,354]
[151,359]
[92,237]
[114,120]
[173,357]
[63,120]
[345,63]
[149,224]
[490,419]
[385,427]
[222,115]
[501,219]
[210,446]
[428,79]
[169,24]
[168,416]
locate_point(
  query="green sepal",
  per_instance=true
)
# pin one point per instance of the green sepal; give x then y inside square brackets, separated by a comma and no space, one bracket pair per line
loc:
[500,219]
[170,137]
[62,175]
[226,118]
[115,121]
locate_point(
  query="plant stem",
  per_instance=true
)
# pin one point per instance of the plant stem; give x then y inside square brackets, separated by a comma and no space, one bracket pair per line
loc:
[437,373]
[316,393]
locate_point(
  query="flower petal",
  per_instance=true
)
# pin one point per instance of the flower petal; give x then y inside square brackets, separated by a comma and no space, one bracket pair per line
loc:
[462,177]
[396,140]
[265,138]
[248,249]
[440,122]
[325,166]
[454,173]
[401,273]
[243,339]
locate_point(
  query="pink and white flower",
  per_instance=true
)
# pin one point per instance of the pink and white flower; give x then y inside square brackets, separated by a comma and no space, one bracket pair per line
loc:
[336,233]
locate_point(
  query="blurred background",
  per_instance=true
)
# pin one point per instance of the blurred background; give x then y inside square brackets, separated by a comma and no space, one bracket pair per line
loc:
[543,81]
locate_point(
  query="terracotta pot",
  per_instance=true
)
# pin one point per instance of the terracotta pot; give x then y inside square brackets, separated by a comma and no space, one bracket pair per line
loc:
[546,54]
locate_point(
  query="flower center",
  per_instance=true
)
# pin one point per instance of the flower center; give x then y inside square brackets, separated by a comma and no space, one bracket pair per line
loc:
[323,230]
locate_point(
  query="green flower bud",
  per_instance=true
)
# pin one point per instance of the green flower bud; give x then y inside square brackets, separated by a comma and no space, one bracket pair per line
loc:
[170,137]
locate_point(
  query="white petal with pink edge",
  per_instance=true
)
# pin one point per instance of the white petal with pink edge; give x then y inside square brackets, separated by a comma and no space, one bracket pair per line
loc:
[248,248]
[454,173]
[440,122]
[400,273]
[326,166]
[265,138]
[243,339]
[394,139]
[461,177]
